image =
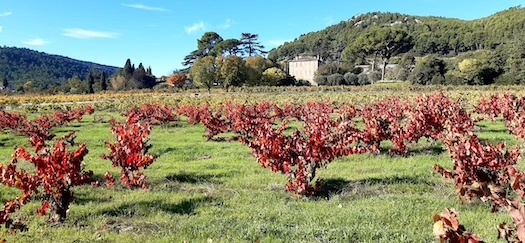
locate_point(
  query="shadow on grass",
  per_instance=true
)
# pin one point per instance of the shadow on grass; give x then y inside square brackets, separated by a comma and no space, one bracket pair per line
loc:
[495,141]
[431,150]
[164,151]
[226,139]
[83,199]
[144,208]
[194,178]
[496,130]
[370,186]
[413,150]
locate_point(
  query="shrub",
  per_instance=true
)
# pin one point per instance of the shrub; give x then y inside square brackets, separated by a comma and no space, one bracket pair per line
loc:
[363,79]
[399,73]
[336,79]
[320,80]
[374,76]
[430,70]
[351,78]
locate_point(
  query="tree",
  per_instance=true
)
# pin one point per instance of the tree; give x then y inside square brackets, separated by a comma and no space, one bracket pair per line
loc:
[205,72]
[177,80]
[77,87]
[192,57]
[89,83]
[206,46]
[103,81]
[256,66]
[515,65]
[208,42]
[5,83]
[128,68]
[351,78]
[272,76]
[382,42]
[250,45]
[229,46]
[232,71]
[430,70]
[336,79]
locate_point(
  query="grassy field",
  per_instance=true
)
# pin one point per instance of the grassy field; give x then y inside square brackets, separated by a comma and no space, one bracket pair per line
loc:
[216,192]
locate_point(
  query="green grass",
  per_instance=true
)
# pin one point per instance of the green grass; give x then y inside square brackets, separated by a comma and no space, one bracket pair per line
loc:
[216,192]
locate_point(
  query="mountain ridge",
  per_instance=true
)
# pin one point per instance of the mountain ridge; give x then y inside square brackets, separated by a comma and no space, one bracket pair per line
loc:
[432,35]
[21,65]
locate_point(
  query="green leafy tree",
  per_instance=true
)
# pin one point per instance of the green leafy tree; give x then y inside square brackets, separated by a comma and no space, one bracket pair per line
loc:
[232,71]
[336,79]
[256,66]
[383,43]
[76,85]
[430,70]
[515,64]
[273,76]
[351,78]
[251,46]
[205,72]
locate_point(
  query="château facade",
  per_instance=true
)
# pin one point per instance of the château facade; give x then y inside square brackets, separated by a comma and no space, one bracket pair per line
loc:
[304,68]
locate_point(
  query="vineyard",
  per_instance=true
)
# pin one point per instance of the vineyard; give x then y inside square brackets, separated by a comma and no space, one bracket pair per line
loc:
[384,166]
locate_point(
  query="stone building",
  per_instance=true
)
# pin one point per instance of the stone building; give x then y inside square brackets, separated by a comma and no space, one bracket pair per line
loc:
[304,68]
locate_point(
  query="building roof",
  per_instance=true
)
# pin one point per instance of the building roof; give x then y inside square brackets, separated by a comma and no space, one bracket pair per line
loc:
[304,59]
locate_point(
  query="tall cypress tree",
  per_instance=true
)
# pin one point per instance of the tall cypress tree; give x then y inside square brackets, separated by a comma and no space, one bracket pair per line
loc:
[128,69]
[103,81]
[5,84]
[90,82]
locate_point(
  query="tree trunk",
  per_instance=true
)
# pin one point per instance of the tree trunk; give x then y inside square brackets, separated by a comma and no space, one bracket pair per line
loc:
[384,70]
[61,207]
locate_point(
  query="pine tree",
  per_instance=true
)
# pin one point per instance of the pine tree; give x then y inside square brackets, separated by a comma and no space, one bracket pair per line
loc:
[250,45]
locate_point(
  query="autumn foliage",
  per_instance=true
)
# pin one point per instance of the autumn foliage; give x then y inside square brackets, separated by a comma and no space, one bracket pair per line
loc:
[177,80]
[448,229]
[153,114]
[56,173]
[129,153]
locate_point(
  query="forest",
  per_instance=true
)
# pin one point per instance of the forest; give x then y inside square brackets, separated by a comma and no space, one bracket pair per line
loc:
[427,50]
[431,35]
[44,71]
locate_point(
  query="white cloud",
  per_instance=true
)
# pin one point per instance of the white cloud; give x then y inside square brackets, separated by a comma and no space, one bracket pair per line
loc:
[144,7]
[195,28]
[89,34]
[226,25]
[35,42]
[1,28]
[5,14]
[276,42]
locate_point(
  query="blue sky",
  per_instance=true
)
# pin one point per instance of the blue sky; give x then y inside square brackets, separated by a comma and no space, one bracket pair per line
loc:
[160,33]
